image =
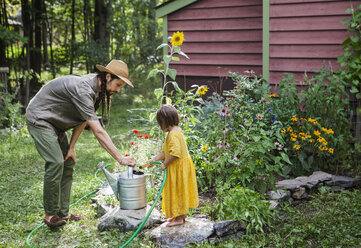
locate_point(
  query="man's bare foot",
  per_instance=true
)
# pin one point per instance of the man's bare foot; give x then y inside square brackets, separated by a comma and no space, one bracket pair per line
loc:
[179,220]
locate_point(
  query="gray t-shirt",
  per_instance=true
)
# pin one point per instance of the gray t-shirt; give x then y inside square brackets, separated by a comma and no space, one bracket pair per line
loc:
[64,103]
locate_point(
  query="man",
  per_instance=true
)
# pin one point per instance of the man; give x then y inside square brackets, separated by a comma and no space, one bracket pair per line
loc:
[70,102]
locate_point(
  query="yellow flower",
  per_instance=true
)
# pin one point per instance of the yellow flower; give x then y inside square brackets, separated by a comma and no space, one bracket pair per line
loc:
[283,131]
[297,147]
[312,140]
[322,148]
[330,131]
[202,90]
[293,139]
[204,148]
[294,118]
[317,133]
[272,95]
[177,39]
[324,129]
[330,150]
[312,121]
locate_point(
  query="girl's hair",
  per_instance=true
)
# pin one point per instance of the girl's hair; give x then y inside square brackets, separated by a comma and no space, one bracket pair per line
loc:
[167,116]
[103,92]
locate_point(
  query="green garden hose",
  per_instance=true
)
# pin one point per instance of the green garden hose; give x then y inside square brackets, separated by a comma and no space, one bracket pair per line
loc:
[93,192]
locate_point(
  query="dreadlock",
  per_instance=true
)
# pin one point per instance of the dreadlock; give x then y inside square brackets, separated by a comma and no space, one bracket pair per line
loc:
[106,102]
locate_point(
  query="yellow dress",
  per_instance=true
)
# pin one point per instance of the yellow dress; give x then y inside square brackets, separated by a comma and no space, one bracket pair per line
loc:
[180,192]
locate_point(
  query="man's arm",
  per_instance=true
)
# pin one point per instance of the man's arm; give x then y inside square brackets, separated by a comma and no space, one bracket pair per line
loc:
[74,137]
[105,141]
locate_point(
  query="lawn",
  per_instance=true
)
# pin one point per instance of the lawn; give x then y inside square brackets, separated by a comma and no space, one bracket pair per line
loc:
[326,220]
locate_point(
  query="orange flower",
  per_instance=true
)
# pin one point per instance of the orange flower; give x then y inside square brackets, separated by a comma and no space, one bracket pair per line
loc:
[146,136]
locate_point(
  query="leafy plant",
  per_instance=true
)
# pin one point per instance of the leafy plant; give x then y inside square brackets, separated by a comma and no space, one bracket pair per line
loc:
[309,145]
[10,111]
[245,205]
[242,135]
[322,97]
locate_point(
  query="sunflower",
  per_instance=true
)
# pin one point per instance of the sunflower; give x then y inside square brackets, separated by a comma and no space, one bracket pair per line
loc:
[177,39]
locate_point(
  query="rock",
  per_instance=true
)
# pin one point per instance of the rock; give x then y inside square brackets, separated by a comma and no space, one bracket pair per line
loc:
[228,227]
[344,182]
[128,220]
[273,204]
[100,205]
[291,184]
[279,195]
[300,193]
[316,178]
[308,182]
[336,188]
[218,240]
[194,230]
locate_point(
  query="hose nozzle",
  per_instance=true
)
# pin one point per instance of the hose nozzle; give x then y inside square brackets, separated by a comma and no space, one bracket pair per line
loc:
[144,165]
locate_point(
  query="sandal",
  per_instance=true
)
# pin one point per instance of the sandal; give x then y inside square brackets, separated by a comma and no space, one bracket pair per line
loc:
[55,221]
[73,217]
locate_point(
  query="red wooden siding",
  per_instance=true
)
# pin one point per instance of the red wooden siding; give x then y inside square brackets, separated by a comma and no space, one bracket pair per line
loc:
[305,35]
[220,36]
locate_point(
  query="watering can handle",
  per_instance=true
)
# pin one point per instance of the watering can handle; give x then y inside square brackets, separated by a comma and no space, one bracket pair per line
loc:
[151,175]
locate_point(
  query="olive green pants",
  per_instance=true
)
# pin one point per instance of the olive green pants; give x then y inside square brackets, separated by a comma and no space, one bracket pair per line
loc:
[58,177]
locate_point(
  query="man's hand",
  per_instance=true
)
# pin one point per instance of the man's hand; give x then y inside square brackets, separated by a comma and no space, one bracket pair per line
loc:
[71,154]
[128,161]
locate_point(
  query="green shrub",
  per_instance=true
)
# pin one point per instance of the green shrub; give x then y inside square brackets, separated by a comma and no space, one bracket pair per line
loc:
[241,134]
[322,98]
[309,144]
[245,205]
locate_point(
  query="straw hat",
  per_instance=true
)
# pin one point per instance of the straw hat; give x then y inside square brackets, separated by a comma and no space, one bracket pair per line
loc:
[117,68]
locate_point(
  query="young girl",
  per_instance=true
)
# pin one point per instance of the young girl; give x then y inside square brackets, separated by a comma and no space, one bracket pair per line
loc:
[180,191]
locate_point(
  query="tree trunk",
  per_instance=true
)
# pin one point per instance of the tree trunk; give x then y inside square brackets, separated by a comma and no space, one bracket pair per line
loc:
[87,30]
[44,26]
[36,52]
[3,22]
[72,42]
[28,33]
[102,14]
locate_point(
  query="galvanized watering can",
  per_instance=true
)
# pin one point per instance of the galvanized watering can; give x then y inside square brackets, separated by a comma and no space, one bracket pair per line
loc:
[129,187]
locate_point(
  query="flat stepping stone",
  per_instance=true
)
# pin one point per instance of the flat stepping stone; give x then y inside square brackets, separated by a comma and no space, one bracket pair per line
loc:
[194,230]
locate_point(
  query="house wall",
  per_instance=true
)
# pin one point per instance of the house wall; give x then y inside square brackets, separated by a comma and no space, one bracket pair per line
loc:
[220,36]
[305,35]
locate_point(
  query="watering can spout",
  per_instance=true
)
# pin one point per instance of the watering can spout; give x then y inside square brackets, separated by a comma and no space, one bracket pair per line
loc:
[112,179]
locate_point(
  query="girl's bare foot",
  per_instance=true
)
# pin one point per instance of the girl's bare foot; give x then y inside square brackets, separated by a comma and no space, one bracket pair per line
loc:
[179,220]
[171,219]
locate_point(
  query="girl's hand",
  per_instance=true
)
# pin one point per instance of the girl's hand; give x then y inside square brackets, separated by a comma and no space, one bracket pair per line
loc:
[149,163]
[162,166]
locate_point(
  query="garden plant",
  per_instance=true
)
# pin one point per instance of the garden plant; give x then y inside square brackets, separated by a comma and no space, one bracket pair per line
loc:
[241,140]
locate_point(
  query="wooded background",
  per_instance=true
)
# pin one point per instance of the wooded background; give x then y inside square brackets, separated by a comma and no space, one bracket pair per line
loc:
[50,35]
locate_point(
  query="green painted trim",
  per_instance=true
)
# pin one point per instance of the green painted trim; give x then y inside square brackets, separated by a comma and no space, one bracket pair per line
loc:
[265,39]
[165,34]
[171,7]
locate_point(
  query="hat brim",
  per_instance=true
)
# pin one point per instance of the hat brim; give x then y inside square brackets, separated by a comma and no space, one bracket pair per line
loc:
[102,68]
